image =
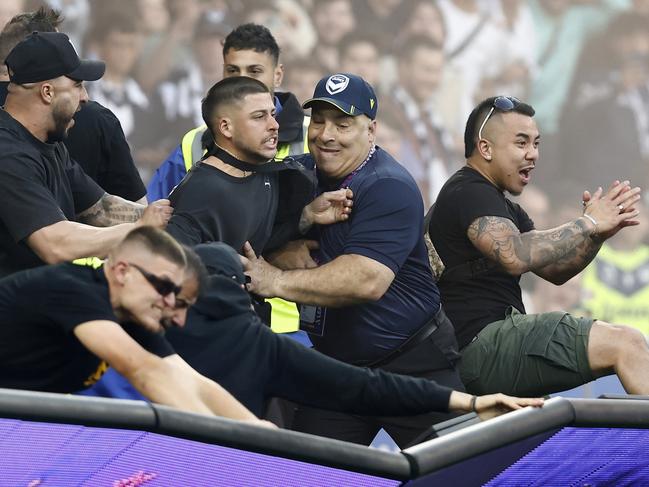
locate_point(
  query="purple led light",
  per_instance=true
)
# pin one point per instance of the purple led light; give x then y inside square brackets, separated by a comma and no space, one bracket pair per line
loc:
[52,454]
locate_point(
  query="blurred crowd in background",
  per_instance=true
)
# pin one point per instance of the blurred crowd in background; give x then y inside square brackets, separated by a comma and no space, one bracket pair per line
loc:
[583,64]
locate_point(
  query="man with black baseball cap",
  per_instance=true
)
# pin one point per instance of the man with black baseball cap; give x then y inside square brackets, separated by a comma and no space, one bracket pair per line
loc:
[377,305]
[48,55]
[42,191]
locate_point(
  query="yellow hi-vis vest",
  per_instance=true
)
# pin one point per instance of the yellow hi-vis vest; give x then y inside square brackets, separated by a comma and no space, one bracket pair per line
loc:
[284,316]
[616,287]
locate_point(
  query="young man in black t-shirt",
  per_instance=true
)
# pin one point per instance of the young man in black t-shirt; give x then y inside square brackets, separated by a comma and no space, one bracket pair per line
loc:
[61,326]
[486,242]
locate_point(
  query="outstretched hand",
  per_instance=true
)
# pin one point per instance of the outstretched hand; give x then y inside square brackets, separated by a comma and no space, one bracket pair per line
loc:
[330,207]
[262,275]
[493,405]
[612,210]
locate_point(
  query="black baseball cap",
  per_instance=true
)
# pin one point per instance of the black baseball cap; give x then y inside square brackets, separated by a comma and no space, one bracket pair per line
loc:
[221,259]
[48,55]
[347,92]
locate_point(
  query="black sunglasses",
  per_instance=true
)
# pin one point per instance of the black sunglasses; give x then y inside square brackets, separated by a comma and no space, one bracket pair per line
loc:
[502,103]
[162,285]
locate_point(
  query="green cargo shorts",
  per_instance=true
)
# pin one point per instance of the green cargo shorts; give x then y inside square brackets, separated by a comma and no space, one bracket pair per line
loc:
[528,355]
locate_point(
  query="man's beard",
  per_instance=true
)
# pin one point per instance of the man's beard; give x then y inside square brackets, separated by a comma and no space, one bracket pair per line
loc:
[60,132]
[252,156]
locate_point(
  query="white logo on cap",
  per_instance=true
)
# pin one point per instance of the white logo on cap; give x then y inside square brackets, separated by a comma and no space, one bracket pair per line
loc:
[336,83]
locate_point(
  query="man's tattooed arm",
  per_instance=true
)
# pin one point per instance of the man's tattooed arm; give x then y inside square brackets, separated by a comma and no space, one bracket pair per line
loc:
[111,210]
[556,255]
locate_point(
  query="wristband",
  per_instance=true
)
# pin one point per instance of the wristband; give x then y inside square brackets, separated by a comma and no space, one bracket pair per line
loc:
[590,218]
[594,234]
[473,401]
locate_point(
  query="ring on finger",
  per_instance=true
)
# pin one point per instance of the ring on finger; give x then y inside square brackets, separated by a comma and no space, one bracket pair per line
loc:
[620,207]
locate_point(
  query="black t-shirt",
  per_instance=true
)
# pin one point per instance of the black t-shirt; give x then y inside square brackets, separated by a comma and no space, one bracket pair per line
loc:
[39,186]
[212,206]
[471,304]
[97,142]
[39,309]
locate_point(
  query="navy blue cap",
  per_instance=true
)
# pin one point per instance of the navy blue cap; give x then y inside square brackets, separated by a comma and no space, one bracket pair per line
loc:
[347,92]
[47,55]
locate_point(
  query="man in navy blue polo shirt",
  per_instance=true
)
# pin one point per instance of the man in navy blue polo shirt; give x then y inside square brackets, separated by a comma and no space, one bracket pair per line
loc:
[371,301]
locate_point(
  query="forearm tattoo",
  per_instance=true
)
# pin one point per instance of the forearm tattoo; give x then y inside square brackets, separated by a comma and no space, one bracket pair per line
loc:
[568,248]
[111,210]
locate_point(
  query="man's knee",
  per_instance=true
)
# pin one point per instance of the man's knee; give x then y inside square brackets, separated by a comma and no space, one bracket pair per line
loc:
[610,343]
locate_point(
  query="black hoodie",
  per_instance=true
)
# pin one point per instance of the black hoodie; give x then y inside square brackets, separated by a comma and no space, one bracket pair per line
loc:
[225,341]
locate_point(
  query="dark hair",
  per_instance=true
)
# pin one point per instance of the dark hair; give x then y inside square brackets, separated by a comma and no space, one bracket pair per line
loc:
[408,45]
[253,37]
[156,241]
[195,267]
[21,25]
[478,115]
[226,92]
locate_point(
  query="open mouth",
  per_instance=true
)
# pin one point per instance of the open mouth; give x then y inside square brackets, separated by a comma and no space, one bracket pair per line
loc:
[271,142]
[525,173]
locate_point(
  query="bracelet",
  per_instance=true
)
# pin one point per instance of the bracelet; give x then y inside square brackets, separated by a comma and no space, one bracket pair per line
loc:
[593,235]
[473,401]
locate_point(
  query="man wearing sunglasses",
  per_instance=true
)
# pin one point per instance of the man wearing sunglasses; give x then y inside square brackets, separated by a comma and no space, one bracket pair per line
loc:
[62,326]
[486,242]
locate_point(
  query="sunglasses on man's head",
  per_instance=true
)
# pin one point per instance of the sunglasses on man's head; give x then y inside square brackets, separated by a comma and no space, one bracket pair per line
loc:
[162,285]
[502,103]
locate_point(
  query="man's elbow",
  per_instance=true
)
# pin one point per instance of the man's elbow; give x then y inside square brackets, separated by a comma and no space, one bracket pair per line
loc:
[515,269]
[54,254]
[371,290]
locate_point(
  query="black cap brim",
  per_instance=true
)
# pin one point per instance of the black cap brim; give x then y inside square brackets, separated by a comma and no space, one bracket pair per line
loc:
[88,71]
[343,107]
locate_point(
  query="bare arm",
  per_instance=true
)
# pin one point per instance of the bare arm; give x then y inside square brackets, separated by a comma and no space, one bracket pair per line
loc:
[65,240]
[169,381]
[348,279]
[556,254]
[216,398]
[560,253]
[111,210]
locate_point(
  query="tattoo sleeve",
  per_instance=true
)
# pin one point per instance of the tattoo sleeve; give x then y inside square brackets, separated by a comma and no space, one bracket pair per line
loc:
[560,252]
[111,210]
